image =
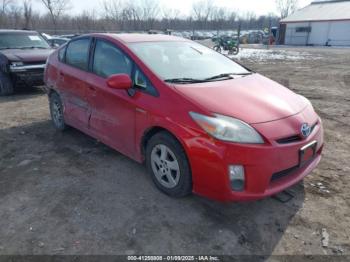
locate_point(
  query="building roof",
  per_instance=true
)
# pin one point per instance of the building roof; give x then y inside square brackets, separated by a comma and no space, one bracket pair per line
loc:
[321,11]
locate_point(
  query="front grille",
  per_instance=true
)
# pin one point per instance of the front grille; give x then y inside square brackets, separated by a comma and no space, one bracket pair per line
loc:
[289,139]
[34,63]
[284,173]
[294,138]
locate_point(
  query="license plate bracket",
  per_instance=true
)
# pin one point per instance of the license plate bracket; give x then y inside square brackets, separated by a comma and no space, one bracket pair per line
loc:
[307,153]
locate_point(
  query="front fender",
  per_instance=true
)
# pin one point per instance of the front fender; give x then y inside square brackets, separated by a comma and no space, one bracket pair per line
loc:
[184,134]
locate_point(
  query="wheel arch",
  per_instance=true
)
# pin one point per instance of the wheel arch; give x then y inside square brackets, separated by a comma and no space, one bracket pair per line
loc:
[150,132]
[51,91]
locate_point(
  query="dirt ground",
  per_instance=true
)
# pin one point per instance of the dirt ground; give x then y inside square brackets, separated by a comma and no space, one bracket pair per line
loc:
[65,193]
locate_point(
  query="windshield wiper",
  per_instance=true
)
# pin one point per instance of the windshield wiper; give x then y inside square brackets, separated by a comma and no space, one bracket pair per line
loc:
[5,48]
[183,80]
[227,75]
[193,80]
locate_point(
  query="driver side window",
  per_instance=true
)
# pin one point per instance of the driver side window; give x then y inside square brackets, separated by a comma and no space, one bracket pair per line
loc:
[109,60]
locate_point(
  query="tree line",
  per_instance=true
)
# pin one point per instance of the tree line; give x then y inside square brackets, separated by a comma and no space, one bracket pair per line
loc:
[136,15]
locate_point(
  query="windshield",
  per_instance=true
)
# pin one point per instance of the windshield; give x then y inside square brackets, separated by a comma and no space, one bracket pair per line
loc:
[22,41]
[186,61]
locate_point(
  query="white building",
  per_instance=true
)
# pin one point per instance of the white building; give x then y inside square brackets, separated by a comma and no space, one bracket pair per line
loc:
[320,23]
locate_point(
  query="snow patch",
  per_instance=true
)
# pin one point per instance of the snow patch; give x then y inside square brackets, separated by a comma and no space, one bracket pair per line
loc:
[266,55]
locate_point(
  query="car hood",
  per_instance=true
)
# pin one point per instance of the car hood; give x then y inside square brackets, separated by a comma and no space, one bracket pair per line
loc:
[27,55]
[253,98]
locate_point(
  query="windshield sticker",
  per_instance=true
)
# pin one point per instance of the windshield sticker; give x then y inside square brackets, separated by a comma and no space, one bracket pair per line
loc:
[34,38]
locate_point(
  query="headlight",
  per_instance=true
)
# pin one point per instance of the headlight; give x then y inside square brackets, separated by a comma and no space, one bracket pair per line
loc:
[227,128]
[16,67]
[16,64]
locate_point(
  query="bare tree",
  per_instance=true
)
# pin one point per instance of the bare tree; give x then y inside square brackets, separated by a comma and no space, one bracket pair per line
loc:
[149,11]
[219,16]
[27,12]
[170,13]
[202,11]
[170,17]
[56,8]
[286,7]
[112,9]
[127,15]
[15,15]
[5,4]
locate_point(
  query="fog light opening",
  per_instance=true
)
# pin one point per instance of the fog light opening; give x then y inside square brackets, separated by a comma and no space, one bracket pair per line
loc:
[237,179]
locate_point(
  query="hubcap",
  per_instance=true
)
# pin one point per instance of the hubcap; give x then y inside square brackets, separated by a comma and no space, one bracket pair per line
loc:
[57,114]
[165,166]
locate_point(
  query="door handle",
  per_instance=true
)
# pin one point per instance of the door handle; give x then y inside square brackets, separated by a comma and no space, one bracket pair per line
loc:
[61,73]
[92,88]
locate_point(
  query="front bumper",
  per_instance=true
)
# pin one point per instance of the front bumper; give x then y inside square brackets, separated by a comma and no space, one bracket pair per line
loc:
[31,75]
[210,159]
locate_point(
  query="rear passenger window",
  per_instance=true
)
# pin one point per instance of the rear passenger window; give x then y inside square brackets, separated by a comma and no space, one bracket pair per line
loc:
[77,53]
[109,60]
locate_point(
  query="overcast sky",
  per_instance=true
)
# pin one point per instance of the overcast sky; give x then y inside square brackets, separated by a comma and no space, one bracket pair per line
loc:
[260,7]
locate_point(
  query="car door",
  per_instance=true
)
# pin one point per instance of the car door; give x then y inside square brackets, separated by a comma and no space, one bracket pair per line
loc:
[72,84]
[112,111]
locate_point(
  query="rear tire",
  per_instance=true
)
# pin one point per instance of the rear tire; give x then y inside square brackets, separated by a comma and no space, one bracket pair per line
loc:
[56,112]
[168,165]
[6,85]
[217,48]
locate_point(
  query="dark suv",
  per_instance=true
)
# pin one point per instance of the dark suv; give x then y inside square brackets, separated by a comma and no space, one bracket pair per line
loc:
[23,56]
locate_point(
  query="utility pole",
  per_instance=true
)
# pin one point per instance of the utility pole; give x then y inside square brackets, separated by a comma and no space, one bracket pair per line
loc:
[269,39]
[239,32]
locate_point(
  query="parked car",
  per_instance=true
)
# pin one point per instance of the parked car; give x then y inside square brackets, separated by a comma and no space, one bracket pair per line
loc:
[55,42]
[23,56]
[69,36]
[201,122]
[46,36]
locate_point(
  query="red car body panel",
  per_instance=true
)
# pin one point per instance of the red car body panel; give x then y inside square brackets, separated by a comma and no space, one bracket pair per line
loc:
[253,98]
[122,121]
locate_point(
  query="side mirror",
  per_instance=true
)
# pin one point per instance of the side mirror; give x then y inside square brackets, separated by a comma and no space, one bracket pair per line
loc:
[119,81]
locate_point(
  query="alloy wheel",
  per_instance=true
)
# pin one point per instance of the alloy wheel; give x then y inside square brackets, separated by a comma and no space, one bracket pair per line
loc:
[165,166]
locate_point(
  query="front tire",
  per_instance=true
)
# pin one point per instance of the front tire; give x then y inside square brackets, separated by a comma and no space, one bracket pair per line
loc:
[56,112]
[6,85]
[235,50]
[168,165]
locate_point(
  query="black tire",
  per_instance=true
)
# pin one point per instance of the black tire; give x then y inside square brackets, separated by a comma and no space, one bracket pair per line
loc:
[184,184]
[6,85]
[235,51]
[217,48]
[56,112]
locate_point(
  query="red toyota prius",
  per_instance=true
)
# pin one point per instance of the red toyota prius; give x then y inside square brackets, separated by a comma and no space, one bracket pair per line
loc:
[201,122]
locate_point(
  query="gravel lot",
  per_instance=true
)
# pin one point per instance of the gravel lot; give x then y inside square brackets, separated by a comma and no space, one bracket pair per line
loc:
[65,193]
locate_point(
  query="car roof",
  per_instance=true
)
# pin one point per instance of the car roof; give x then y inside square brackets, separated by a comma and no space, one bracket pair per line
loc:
[17,31]
[137,38]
